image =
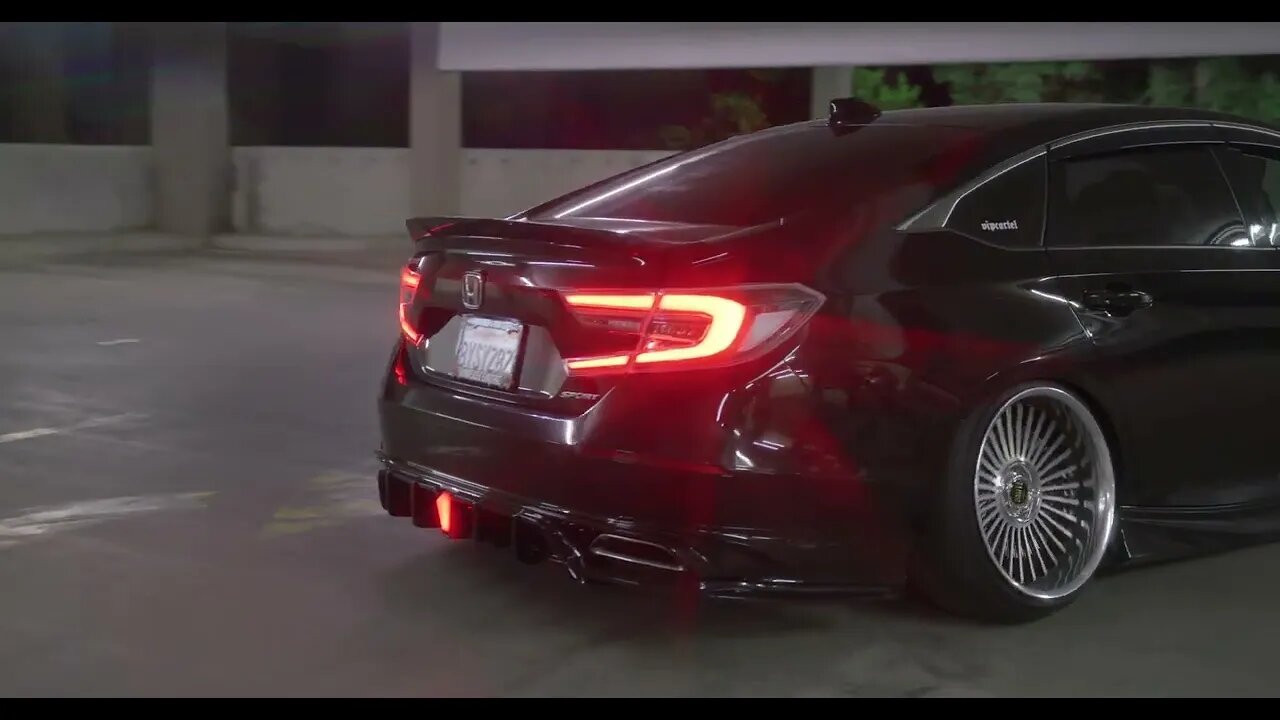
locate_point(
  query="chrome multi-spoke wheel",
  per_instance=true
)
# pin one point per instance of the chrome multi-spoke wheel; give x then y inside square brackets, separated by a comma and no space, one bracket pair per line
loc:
[1044,492]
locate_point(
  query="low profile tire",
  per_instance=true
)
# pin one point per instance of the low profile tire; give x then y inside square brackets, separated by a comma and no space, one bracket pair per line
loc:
[1027,510]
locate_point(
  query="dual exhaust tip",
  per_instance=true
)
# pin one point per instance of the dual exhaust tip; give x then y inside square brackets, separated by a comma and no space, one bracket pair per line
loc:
[636,552]
[531,537]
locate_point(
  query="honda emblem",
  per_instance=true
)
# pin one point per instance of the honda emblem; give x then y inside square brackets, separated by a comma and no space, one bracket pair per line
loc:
[472,290]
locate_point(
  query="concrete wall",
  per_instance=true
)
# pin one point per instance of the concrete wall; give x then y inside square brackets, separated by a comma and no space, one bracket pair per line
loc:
[320,191]
[365,191]
[74,188]
[280,190]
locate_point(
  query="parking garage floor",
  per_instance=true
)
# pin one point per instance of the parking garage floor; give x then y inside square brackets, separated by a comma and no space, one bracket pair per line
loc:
[187,507]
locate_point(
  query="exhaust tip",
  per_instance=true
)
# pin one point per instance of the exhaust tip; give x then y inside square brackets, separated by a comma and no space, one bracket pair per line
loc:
[635,552]
[395,494]
[530,542]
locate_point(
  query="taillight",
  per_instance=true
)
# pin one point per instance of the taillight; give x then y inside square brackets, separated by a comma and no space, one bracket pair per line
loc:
[691,328]
[409,280]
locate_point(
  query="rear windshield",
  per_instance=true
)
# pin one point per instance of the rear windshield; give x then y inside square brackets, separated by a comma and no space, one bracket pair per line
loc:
[775,174]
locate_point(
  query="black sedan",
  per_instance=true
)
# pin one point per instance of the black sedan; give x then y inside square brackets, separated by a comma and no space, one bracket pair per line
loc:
[981,352]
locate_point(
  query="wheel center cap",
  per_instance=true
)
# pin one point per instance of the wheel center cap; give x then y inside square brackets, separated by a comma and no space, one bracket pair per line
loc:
[1018,490]
[1018,485]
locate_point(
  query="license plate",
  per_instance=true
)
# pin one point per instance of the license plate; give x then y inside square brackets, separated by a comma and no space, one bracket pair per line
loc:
[487,351]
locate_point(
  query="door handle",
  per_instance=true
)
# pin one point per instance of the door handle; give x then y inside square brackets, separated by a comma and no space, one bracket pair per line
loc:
[1116,301]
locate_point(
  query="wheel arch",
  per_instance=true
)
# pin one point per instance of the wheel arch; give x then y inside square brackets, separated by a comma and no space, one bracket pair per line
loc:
[1089,390]
[953,564]
[1090,393]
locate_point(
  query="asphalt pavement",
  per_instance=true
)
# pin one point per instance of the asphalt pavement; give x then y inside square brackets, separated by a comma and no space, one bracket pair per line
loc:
[188,507]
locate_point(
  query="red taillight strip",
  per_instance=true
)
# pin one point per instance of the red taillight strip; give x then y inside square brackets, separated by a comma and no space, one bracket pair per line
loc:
[409,333]
[409,281]
[598,362]
[620,302]
[607,301]
[727,319]
[726,315]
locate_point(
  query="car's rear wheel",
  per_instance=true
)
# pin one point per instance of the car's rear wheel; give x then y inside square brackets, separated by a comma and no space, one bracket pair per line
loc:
[1028,510]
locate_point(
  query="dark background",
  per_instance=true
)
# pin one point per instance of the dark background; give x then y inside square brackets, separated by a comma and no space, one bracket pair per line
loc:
[347,85]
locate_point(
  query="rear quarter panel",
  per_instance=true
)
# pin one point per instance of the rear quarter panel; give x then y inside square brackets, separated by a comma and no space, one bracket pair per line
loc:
[918,331]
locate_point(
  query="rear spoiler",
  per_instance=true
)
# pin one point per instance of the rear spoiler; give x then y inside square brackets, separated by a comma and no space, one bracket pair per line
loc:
[424,228]
[521,238]
[445,225]
[528,231]
[420,227]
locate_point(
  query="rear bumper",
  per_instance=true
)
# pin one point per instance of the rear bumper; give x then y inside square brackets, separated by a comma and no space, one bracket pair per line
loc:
[737,480]
[712,561]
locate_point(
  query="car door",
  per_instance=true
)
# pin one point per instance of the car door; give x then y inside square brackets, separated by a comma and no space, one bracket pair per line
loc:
[1182,303]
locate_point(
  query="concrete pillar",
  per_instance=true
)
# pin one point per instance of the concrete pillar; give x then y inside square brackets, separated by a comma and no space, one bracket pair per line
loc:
[435,127]
[828,83]
[37,89]
[189,128]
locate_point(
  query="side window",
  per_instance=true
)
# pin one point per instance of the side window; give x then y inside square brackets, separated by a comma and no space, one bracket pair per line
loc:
[1156,196]
[1007,210]
[1254,171]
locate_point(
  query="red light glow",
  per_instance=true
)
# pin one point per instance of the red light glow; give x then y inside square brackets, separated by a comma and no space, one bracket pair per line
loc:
[726,316]
[724,320]
[598,362]
[409,281]
[409,333]
[686,328]
[444,508]
[402,373]
[617,302]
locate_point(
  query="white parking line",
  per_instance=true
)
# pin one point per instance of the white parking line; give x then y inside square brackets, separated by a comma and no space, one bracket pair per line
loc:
[57,518]
[121,341]
[91,422]
[27,434]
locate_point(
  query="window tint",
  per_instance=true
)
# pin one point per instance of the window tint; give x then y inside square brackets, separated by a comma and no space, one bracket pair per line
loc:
[1007,210]
[777,173]
[1171,195]
[1255,175]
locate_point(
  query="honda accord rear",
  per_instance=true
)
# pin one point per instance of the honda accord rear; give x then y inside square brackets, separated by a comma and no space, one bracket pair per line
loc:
[773,364]
[618,372]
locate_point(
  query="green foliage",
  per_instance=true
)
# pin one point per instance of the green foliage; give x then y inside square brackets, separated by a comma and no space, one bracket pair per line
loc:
[1249,87]
[1168,85]
[732,113]
[1020,82]
[676,137]
[1227,84]
[1222,84]
[1267,103]
[737,111]
[870,85]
